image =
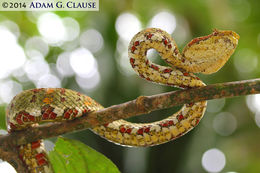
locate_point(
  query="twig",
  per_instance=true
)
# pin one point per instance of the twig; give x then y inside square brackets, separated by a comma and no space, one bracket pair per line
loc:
[10,154]
[141,105]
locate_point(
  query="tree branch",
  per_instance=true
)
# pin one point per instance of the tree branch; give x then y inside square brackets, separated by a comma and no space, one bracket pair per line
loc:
[141,105]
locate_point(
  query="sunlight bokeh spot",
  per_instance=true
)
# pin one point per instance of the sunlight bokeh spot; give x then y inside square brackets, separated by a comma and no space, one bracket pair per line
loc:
[127,25]
[182,33]
[12,26]
[48,81]
[63,64]
[8,90]
[213,160]
[71,28]
[6,167]
[164,20]
[36,67]
[10,52]
[83,62]
[253,102]
[38,44]
[224,123]
[257,119]
[217,105]
[90,82]
[122,58]
[125,68]
[92,40]
[121,45]
[51,28]
[20,75]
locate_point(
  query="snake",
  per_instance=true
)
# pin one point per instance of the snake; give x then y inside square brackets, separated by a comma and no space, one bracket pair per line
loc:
[205,54]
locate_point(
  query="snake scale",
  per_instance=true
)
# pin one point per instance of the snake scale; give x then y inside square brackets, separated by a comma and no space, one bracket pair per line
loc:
[205,54]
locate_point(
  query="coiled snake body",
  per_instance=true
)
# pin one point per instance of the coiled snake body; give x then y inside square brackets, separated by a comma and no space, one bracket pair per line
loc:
[205,54]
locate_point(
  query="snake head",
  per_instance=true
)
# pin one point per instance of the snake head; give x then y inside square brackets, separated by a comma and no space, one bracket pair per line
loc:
[209,53]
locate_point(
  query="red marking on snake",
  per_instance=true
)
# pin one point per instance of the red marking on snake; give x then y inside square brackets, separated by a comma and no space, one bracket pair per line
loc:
[148,79]
[128,131]
[39,156]
[147,130]
[42,162]
[165,41]
[165,124]
[18,119]
[180,117]
[140,131]
[197,40]
[186,74]
[122,129]
[155,67]
[52,115]
[149,36]
[35,144]
[75,112]
[170,123]
[67,114]
[132,60]
[168,70]
[191,104]
[133,49]
[12,126]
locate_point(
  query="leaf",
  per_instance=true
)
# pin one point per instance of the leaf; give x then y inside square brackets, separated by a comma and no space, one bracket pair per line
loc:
[73,156]
[2,118]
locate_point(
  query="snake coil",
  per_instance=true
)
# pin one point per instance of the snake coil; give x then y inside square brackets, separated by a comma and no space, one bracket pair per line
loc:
[204,54]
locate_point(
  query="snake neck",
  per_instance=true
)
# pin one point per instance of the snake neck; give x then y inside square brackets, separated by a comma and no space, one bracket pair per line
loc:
[162,42]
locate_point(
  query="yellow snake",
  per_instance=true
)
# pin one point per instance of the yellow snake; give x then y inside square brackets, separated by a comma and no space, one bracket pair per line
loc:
[204,54]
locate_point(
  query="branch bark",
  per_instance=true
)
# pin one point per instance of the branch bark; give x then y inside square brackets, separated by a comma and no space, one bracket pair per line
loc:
[141,105]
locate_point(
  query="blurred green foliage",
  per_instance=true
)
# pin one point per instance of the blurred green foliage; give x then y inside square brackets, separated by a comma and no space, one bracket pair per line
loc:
[241,148]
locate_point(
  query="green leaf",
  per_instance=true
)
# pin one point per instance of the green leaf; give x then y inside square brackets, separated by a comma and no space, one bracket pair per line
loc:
[2,118]
[73,156]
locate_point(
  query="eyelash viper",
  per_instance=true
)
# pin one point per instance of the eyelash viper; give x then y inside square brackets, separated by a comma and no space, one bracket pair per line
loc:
[204,54]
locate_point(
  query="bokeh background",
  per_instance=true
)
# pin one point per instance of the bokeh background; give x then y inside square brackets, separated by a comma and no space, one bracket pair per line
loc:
[87,52]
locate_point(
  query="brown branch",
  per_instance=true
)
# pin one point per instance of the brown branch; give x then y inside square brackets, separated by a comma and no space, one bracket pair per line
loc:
[141,105]
[10,154]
